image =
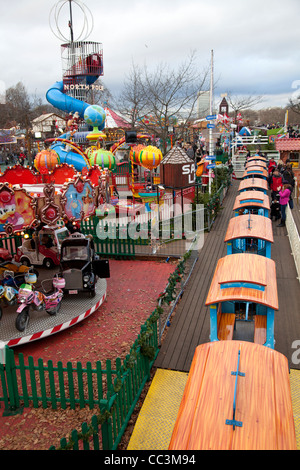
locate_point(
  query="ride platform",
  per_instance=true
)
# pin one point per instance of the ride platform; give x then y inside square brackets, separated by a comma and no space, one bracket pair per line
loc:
[73,310]
[156,420]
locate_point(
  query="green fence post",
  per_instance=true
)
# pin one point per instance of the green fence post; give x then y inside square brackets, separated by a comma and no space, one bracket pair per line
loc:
[12,385]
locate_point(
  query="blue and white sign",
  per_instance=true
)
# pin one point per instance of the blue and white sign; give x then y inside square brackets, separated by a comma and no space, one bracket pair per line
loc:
[211,165]
[212,117]
[210,157]
[210,126]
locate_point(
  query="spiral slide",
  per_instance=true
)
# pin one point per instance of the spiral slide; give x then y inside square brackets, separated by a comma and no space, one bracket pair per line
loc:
[66,103]
[60,100]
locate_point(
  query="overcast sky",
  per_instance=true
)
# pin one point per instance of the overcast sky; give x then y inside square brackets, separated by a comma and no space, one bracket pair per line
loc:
[255,42]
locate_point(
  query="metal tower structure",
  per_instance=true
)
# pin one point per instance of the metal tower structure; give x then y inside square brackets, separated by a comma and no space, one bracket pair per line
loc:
[82,60]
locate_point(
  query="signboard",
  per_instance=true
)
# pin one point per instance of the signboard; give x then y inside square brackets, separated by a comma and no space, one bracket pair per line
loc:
[210,166]
[210,157]
[212,117]
[190,172]
[82,86]
[210,126]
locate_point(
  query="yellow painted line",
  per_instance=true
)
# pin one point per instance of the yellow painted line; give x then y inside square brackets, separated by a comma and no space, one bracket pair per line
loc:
[295,392]
[156,420]
[157,417]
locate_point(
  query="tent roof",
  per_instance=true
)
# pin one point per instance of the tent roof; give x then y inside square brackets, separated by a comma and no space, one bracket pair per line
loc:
[114,120]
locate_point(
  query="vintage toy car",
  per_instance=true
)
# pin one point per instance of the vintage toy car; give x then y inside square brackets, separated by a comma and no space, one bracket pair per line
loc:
[44,249]
[80,265]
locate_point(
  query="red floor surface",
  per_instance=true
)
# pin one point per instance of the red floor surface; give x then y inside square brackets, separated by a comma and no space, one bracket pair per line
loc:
[132,293]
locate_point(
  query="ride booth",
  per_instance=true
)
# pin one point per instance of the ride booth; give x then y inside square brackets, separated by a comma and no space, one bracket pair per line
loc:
[243,294]
[249,233]
[254,202]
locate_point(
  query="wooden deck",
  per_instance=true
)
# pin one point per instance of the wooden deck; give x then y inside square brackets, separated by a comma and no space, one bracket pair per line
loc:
[190,325]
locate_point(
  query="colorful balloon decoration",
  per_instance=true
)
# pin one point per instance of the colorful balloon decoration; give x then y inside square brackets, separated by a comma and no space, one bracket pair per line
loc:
[95,115]
[103,158]
[135,153]
[150,157]
[46,159]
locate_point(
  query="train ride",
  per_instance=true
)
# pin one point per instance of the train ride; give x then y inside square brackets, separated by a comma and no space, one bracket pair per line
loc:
[237,395]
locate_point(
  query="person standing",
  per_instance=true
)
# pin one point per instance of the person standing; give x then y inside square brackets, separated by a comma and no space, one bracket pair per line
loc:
[284,197]
[275,182]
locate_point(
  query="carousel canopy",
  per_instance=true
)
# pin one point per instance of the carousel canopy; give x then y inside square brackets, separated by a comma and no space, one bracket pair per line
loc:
[113,120]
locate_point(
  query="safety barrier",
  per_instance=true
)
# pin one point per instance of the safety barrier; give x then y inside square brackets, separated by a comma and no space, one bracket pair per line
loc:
[294,238]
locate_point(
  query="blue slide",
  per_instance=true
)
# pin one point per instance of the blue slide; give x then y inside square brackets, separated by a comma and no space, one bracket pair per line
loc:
[71,158]
[66,103]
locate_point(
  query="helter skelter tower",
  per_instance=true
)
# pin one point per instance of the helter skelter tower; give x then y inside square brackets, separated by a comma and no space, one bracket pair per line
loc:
[82,60]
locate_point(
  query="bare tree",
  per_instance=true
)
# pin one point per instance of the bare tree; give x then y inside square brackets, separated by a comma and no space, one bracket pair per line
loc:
[156,99]
[294,105]
[132,100]
[99,94]
[240,103]
[18,105]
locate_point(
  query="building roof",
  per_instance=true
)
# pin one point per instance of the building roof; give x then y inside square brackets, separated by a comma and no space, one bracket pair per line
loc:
[287,144]
[176,155]
[46,116]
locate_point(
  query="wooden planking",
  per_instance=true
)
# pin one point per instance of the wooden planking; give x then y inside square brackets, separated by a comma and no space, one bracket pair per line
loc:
[208,400]
[190,325]
[260,329]
[226,322]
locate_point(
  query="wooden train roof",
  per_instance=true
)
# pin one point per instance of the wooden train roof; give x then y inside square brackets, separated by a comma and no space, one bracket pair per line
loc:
[257,157]
[249,183]
[251,199]
[255,273]
[263,400]
[250,225]
[254,170]
[253,163]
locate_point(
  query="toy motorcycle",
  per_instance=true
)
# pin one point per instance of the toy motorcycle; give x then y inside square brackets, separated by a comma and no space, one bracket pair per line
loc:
[29,297]
[9,295]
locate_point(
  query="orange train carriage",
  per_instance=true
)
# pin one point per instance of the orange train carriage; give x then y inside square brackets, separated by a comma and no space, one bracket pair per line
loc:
[237,397]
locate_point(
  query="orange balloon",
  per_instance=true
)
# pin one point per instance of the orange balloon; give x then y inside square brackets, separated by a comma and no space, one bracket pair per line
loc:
[46,159]
[135,153]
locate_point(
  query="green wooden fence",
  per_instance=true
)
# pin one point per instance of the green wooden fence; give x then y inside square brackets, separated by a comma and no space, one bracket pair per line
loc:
[11,242]
[113,391]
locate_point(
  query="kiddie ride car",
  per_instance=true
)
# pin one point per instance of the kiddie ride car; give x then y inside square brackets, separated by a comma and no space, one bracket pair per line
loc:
[8,294]
[12,276]
[43,249]
[29,297]
[80,266]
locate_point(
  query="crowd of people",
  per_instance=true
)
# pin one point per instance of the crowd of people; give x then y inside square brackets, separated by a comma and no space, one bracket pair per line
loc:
[18,156]
[281,181]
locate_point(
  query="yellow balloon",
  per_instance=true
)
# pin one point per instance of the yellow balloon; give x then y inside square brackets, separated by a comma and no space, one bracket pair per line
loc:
[150,157]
